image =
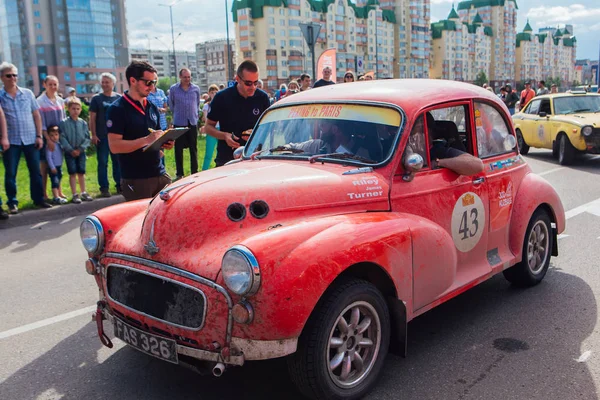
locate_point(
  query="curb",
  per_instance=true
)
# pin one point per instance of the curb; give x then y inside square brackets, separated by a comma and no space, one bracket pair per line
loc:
[33,216]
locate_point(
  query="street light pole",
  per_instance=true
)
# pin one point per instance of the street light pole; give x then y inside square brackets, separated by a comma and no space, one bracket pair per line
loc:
[376,44]
[229,77]
[172,35]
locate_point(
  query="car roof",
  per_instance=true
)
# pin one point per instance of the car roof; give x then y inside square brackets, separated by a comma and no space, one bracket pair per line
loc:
[566,94]
[410,94]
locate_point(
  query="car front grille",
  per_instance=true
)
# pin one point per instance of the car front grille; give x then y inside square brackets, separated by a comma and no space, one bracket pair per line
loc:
[157,297]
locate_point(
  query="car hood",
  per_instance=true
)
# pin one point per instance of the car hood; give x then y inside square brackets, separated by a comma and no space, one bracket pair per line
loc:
[581,119]
[193,228]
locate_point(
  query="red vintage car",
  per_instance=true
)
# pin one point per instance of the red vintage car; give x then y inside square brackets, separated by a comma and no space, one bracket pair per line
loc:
[335,228]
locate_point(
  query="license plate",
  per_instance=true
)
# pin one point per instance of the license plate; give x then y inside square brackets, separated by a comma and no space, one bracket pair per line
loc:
[165,349]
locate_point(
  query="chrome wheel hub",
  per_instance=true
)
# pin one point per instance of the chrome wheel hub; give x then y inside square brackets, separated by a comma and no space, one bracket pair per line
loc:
[354,343]
[538,247]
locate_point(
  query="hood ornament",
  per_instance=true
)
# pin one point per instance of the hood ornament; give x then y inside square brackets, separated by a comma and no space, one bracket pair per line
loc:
[151,247]
[165,195]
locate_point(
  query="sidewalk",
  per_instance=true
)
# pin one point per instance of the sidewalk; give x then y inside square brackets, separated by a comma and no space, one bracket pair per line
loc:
[33,216]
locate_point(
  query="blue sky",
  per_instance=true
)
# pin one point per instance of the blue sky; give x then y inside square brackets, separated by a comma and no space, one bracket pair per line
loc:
[200,20]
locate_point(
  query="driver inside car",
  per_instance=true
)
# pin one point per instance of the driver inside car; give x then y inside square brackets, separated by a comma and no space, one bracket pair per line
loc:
[335,138]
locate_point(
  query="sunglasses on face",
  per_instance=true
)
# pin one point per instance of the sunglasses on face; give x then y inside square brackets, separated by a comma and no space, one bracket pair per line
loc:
[148,82]
[248,83]
[348,77]
[11,75]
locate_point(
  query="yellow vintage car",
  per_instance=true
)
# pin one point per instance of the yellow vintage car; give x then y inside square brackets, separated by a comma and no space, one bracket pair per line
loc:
[567,123]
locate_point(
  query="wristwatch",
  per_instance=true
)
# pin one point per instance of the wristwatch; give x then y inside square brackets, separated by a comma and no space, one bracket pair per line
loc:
[38,136]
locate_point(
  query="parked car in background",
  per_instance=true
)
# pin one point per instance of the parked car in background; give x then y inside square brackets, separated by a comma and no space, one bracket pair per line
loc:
[566,123]
[334,229]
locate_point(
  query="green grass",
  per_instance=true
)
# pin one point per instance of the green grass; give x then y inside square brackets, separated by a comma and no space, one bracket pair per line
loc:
[91,176]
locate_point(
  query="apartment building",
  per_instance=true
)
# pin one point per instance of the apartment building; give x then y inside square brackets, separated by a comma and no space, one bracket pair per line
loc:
[361,34]
[412,36]
[55,38]
[501,17]
[166,65]
[548,54]
[213,62]
[460,49]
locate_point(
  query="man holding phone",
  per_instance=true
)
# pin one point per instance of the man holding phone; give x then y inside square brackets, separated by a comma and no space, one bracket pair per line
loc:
[236,109]
[133,123]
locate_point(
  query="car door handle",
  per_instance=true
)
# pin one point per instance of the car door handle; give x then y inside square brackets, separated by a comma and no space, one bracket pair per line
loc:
[478,181]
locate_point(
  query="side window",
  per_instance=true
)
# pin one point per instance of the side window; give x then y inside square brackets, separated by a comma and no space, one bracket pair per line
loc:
[534,107]
[416,141]
[545,106]
[448,131]
[492,131]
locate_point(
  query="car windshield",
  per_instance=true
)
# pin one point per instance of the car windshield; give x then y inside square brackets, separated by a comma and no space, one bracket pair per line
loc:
[350,132]
[576,104]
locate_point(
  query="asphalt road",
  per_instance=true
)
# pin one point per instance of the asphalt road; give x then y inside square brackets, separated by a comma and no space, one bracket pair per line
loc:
[493,342]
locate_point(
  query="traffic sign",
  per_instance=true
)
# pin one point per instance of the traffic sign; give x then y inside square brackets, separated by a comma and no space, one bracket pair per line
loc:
[230,83]
[310,31]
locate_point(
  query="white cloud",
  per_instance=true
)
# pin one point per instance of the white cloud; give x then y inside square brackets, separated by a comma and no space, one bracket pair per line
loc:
[442,1]
[562,15]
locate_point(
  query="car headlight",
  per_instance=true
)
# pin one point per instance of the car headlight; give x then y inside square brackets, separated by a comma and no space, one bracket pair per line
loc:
[241,272]
[92,235]
[586,130]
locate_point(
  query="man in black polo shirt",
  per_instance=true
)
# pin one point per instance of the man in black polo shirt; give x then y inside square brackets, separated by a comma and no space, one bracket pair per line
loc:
[236,110]
[132,123]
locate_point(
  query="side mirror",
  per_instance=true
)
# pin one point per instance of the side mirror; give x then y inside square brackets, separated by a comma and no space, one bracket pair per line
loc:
[542,114]
[237,153]
[412,163]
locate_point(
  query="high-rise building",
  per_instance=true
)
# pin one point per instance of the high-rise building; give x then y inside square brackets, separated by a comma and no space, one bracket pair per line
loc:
[166,65]
[213,62]
[501,16]
[352,29]
[461,50]
[412,36]
[74,40]
[547,54]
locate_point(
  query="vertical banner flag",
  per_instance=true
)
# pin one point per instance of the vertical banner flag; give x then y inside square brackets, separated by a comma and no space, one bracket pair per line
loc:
[327,59]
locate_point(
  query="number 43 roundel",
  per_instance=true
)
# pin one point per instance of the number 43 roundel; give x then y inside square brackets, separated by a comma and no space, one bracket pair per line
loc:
[468,221]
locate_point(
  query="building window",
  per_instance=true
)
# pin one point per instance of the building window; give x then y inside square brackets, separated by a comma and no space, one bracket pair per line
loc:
[41,62]
[40,50]
[67,76]
[39,38]
[36,13]
[38,26]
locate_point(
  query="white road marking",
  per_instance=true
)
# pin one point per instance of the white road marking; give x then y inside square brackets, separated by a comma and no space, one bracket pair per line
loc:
[584,357]
[592,207]
[550,171]
[64,221]
[46,322]
[39,224]
[562,236]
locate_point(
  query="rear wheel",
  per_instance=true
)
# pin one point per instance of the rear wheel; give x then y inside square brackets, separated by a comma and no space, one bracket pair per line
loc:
[537,250]
[523,147]
[566,151]
[555,148]
[343,346]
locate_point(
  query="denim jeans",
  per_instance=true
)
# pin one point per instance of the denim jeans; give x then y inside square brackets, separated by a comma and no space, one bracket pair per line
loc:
[211,144]
[103,151]
[11,163]
[55,178]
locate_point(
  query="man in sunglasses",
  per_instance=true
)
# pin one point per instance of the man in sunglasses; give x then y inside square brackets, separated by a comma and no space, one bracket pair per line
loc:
[133,123]
[184,101]
[24,133]
[236,109]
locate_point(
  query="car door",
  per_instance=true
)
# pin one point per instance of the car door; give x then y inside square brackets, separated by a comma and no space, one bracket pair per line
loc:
[456,206]
[497,149]
[529,125]
[546,129]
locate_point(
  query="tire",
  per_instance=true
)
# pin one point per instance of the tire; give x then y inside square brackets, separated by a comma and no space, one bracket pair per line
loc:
[309,367]
[555,148]
[523,147]
[566,151]
[537,250]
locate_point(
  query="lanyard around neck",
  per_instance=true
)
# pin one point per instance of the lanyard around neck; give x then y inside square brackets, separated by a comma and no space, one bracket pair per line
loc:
[133,104]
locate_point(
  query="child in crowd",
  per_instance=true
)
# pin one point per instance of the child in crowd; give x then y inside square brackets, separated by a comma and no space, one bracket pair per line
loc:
[74,139]
[55,159]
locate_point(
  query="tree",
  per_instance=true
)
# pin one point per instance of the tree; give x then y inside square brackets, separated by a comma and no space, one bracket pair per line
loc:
[481,78]
[164,84]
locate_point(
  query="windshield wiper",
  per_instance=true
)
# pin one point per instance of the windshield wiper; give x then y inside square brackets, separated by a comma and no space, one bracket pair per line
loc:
[342,156]
[286,148]
[582,110]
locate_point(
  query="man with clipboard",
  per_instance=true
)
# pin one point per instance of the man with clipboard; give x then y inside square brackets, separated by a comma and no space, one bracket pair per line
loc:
[134,123]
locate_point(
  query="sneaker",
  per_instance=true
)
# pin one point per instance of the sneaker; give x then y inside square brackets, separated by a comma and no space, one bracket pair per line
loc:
[76,199]
[13,209]
[44,204]
[86,197]
[104,193]
[59,201]
[3,214]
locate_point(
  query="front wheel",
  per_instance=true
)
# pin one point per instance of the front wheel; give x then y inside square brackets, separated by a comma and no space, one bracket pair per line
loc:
[537,250]
[566,151]
[343,346]
[523,147]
